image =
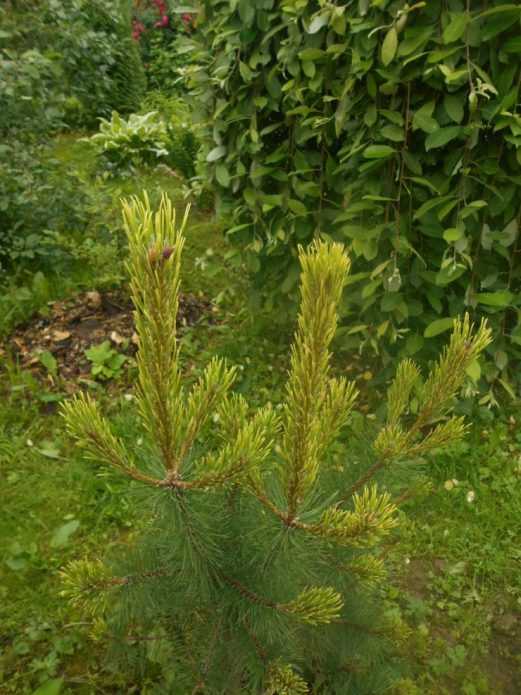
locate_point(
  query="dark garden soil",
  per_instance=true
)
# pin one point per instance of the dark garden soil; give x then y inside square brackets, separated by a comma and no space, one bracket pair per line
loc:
[71,327]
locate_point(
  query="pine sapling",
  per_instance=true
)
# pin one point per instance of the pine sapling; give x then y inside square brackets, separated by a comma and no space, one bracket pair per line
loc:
[260,567]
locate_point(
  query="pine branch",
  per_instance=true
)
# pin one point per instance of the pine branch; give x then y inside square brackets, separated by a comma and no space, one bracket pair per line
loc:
[310,396]
[155,247]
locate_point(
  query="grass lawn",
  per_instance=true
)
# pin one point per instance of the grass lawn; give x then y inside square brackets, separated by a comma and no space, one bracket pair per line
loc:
[457,557]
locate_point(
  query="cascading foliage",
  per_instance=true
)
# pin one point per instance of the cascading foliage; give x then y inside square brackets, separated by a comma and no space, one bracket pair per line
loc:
[393,127]
[259,567]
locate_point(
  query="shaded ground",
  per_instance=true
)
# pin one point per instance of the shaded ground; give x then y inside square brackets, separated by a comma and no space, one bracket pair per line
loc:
[58,344]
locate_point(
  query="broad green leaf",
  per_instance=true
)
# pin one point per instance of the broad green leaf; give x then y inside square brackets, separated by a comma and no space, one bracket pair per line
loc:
[393,132]
[378,151]
[319,21]
[222,175]
[50,687]
[246,73]
[389,46]
[297,207]
[49,361]
[412,162]
[454,106]
[442,137]
[450,273]
[474,371]
[512,45]
[423,119]
[216,153]
[452,234]
[456,27]
[496,10]
[63,533]
[502,298]
[426,183]
[246,12]
[438,326]
[312,54]
[429,205]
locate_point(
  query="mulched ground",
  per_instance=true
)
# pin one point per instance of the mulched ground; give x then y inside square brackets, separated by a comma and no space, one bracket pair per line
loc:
[73,326]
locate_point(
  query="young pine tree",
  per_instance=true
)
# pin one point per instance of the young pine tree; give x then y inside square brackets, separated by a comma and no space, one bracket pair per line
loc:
[259,567]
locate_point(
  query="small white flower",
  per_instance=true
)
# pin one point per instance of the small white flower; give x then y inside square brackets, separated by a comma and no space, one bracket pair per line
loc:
[471,496]
[139,441]
[128,397]
[29,442]
[407,560]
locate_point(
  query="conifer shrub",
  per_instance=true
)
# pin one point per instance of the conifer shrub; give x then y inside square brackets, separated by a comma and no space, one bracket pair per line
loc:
[259,567]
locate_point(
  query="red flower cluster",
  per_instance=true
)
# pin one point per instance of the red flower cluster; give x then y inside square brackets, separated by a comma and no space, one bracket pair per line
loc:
[164,21]
[137,29]
[162,9]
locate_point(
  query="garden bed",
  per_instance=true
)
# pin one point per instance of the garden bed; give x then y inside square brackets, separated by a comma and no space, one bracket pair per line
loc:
[58,345]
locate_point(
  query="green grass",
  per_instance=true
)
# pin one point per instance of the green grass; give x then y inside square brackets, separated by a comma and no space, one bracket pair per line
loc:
[457,563]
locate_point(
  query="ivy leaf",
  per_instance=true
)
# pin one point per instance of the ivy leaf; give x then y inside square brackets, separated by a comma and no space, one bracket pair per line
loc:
[389,46]
[442,137]
[216,153]
[437,327]
[378,151]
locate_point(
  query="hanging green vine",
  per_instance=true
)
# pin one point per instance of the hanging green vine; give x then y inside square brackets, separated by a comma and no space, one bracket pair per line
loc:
[394,128]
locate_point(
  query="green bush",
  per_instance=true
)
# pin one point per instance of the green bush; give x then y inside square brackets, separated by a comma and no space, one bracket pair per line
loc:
[392,127]
[140,140]
[260,567]
[148,139]
[82,53]
[37,199]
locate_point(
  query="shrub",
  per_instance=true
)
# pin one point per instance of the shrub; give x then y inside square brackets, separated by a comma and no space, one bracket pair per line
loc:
[149,138]
[260,564]
[157,25]
[139,140]
[392,127]
[88,64]
[37,199]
